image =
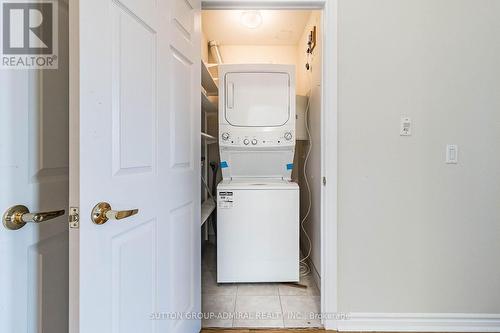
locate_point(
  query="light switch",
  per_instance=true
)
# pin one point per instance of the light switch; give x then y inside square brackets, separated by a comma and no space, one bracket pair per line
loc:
[405,126]
[451,154]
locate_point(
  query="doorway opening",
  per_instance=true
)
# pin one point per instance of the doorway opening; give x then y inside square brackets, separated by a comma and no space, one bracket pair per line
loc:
[288,37]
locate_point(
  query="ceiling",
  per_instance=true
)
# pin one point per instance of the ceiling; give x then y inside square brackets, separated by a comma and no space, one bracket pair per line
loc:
[279,27]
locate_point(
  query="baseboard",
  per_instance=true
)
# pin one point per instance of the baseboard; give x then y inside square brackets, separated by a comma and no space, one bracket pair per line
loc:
[420,322]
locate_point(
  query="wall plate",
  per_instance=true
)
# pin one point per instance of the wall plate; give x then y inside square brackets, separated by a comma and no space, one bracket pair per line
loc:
[405,129]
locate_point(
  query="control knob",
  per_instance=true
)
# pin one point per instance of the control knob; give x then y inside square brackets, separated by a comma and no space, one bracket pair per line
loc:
[225,136]
[288,136]
[254,142]
[246,142]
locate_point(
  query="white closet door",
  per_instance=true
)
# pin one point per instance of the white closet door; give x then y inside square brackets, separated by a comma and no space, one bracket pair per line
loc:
[136,109]
[34,174]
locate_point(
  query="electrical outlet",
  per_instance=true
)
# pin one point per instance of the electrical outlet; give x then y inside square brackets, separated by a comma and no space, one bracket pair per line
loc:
[405,126]
[451,154]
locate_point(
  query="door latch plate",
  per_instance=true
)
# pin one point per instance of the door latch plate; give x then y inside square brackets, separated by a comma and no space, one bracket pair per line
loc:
[74,217]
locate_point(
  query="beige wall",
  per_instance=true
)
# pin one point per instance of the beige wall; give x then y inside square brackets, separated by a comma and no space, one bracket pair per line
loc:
[266,54]
[415,234]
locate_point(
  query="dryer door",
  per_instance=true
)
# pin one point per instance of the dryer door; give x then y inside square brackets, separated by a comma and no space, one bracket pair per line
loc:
[257,99]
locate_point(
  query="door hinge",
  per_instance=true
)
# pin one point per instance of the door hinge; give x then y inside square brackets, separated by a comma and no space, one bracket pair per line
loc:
[324,181]
[74,217]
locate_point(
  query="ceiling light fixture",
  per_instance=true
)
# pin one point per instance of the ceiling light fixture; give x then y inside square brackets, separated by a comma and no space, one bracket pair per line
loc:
[251,19]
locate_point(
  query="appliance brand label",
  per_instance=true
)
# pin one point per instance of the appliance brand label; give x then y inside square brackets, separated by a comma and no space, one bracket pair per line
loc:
[225,200]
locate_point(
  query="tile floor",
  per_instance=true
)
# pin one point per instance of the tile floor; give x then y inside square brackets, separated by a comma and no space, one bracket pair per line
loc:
[270,305]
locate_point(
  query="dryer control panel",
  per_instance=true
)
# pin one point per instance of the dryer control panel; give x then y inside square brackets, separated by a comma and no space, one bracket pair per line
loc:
[272,139]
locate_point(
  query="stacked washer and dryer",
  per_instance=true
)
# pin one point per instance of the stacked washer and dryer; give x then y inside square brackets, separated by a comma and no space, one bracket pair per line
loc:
[258,204]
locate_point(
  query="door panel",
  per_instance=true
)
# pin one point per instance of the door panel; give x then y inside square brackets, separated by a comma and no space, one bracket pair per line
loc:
[137,115]
[34,173]
[135,248]
[48,283]
[133,93]
[48,124]
[181,120]
[183,18]
[181,226]
[183,287]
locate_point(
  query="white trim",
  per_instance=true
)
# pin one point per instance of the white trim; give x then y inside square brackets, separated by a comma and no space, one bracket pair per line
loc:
[420,322]
[329,154]
[263,4]
[74,164]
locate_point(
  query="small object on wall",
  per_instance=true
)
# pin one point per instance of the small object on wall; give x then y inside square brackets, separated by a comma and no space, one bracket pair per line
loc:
[405,126]
[311,44]
[311,40]
[300,120]
[451,154]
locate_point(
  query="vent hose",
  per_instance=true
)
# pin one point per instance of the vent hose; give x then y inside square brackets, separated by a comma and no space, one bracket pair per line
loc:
[215,51]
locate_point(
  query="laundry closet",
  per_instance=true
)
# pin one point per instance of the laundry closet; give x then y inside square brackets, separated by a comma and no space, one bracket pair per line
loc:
[261,168]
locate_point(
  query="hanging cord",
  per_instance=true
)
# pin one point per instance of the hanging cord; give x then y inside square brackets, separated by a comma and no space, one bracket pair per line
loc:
[304,266]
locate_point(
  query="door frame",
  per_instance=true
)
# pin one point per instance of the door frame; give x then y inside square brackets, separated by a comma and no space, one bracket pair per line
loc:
[329,137]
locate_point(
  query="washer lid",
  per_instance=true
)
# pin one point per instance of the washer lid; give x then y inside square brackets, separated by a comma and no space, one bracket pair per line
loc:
[257,184]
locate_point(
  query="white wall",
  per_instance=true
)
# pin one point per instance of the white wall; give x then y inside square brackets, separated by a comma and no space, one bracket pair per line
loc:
[417,235]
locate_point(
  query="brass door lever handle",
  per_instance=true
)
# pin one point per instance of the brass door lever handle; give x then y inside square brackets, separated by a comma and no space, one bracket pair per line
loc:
[17,216]
[102,212]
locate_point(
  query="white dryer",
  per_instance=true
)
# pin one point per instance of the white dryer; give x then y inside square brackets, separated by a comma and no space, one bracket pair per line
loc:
[258,204]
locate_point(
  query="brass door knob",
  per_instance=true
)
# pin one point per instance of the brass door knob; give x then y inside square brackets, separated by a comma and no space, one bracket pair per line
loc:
[17,216]
[102,212]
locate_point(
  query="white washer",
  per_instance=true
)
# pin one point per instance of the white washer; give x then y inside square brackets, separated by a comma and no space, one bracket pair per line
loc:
[257,231]
[258,205]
